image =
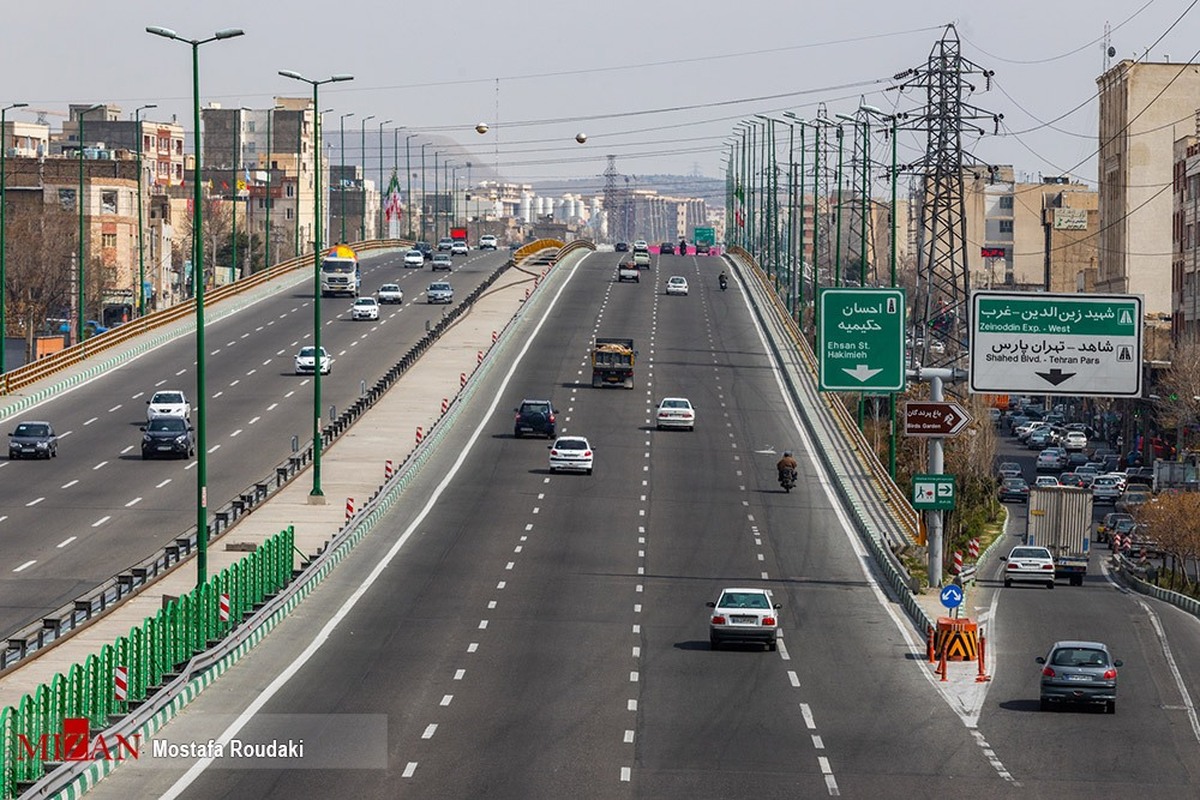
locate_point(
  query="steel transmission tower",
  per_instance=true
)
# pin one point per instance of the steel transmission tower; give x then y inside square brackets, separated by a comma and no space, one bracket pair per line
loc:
[611,197]
[942,298]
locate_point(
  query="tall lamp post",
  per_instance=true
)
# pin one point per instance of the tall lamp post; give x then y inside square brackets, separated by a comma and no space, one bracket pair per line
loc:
[3,247]
[82,254]
[141,293]
[198,290]
[382,189]
[424,201]
[363,155]
[408,176]
[342,170]
[316,496]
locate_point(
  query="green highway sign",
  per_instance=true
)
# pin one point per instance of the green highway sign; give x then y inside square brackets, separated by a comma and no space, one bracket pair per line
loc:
[1070,344]
[933,492]
[860,343]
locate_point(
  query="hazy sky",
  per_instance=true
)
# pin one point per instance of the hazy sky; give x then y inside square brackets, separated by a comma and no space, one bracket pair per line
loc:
[659,83]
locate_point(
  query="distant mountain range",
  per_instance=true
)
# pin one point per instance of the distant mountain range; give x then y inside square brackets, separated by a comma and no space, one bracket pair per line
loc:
[711,190]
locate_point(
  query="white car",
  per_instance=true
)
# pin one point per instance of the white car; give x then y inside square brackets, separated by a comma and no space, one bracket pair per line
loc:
[459,248]
[414,258]
[306,361]
[1107,489]
[1023,431]
[1076,440]
[365,308]
[675,412]
[677,284]
[168,403]
[572,453]
[1046,480]
[390,293]
[439,292]
[641,245]
[743,615]
[1029,564]
[487,242]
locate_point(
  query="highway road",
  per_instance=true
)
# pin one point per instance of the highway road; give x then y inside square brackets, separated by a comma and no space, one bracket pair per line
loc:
[72,522]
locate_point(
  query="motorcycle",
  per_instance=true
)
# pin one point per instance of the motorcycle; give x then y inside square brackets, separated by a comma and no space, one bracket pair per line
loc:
[723,281]
[787,479]
[682,249]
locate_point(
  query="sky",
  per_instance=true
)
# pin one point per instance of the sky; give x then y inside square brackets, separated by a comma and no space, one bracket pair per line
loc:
[659,84]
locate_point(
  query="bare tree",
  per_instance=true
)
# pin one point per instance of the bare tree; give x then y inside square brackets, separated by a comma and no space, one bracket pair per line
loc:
[1173,520]
[1179,390]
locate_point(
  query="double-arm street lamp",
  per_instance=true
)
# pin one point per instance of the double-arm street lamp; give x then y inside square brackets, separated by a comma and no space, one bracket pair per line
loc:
[342,171]
[363,155]
[408,176]
[3,252]
[141,292]
[198,290]
[382,188]
[316,496]
[80,295]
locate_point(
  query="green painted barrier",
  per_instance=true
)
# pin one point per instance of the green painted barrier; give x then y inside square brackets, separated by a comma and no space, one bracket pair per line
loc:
[151,653]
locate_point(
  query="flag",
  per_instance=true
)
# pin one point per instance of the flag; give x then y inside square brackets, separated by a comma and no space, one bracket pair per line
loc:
[738,193]
[393,207]
[741,221]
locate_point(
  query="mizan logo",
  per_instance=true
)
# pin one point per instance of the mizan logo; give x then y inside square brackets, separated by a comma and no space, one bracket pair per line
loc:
[75,743]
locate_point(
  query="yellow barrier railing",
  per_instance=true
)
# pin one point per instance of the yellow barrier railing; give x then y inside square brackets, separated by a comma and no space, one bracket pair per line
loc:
[80,352]
[897,501]
[526,250]
[571,247]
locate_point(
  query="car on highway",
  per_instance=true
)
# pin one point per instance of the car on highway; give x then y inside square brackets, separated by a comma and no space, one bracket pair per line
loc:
[168,403]
[365,308]
[168,436]
[1075,440]
[675,412]
[33,439]
[426,249]
[414,258]
[306,361]
[534,417]
[488,242]
[1025,429]
[1009,469]
[666,249]
[459,248]
[439,292]
[1040,439]
[677,284]
[1108,524]
[640,246]
[442,261]
[444,244]
[1014,490]
[1106,489]
[1133,499]
[1079,672]
[742,614]
[390,293]
[1051,459]
[1046,480]
[1073,479]
[571,453]
[1076,459]
[621,247]
[1028,564]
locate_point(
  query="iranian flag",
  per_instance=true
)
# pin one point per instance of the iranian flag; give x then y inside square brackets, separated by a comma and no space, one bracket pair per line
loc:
[393,208]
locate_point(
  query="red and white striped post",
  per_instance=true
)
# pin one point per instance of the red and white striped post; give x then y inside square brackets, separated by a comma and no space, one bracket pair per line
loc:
[478,357]
[462,379]
[445,404]
[526,292]
[973,549]
[224,607]
[349,508]
[958,562]
[388,470]
[420,434]
[495,336]
[121,684]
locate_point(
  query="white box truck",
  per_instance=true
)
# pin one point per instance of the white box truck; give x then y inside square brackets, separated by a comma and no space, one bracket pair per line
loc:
[1060,519]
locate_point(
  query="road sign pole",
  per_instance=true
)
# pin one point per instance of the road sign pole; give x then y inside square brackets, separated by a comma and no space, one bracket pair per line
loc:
[936,466]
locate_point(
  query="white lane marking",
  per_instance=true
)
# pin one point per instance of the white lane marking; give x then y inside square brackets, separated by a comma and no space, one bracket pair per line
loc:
[446,699]
[430,729]
[101,521]
[1172,665]
[33,503]
[214,449]
[114,408]
[827,771]
[191,465]
[25,566]
[235,433]
[136,396]
[69,484]
[235,383]
[251,372]
[254,420]
[66,542]
[4,517]
[160,383]
[218,394]
[133,502]
[472,647]
[289,394]
[98,466]
[267,363]
[322,635]
[163,483]
[482,624]
[626,774]
[793,678]
[806,712]
[459,673]
[177,374]
[409,769]
[126,450]
[90,421]
[628,737]
[272,407]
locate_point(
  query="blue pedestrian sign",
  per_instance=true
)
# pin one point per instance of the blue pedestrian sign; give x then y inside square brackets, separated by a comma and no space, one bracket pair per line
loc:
[952,596]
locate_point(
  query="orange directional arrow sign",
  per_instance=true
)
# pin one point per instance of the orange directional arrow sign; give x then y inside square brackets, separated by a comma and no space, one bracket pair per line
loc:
[932,418]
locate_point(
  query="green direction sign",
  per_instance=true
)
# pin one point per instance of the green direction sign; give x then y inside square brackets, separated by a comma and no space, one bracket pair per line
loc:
[1041,343]
[933,492]
[861,340]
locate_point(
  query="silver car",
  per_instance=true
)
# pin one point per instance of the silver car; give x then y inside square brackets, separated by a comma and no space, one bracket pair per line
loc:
[1079,672]
[744,615]
[439,292]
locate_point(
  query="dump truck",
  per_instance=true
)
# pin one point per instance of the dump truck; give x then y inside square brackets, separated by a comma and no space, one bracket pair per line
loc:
[612,362]
[1060,519]
[339,272]
[628,271]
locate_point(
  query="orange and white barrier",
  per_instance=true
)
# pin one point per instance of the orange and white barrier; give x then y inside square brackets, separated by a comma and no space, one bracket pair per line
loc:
[349,508]
[388,470]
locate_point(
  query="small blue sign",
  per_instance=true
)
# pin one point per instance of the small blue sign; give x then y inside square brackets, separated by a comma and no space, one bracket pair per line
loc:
[952,596]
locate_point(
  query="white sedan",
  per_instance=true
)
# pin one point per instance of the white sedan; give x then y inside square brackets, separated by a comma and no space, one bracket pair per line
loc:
[675,412]
[572,453]
[459,248]
[365,308]
[677,284]
[1029,564]
[168,403]
[390,293]
[743,615]
[306,361]
[414,258]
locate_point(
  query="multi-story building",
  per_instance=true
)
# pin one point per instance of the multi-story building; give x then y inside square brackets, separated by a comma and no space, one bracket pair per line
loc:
[353,204]
[162,143]
[1141,107]
[1185,239]
[25,139]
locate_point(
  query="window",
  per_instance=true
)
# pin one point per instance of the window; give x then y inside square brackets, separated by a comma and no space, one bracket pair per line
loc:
[66,199]
[1006,226]
[108,240]
[1006,201]
[108,201]
[289,213]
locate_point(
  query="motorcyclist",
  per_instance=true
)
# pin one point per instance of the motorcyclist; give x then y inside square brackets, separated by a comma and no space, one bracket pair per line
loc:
[723,280]
[683,247]
[786,464]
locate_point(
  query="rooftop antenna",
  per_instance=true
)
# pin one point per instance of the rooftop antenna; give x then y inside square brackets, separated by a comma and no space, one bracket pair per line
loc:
[1106,46]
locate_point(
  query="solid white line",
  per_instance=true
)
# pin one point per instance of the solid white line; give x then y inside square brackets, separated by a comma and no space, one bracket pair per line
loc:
[133,502]
[25,566]
[1174,667]
[69,484]
[101,521]
[382,564]
[66,541]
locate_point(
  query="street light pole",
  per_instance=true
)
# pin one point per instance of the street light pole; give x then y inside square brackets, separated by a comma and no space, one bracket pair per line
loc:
[198,291]
[79,270]
[3,246]
[342,171]
[424,201]
[380,225]
[363,143]
[408,201]
[141,293]
[316,496]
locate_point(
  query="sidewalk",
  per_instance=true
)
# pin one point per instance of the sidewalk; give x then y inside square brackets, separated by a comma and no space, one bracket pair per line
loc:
[353,467]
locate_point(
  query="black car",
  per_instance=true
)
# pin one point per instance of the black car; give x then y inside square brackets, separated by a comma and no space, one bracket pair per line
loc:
[622,247]
[535,417]
[168,436]
[1015,489]
[33,440]
[426,248]
[666,249]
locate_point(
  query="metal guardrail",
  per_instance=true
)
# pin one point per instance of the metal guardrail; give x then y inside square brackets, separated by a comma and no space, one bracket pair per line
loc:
[526,250]
[178,690]
[30,373]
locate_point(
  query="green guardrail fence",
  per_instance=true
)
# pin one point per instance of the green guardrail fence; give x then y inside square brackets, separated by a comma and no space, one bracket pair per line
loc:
[150,655]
